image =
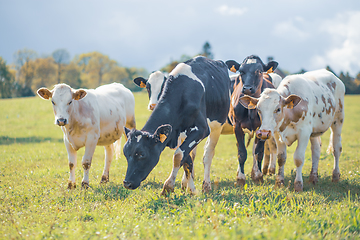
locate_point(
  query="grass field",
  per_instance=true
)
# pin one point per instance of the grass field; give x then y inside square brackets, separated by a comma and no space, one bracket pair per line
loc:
[35,202]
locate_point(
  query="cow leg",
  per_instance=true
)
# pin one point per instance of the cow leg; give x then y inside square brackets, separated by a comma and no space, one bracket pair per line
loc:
[272,149]
[299,157]
[109,154]
[258,153]
[266,161]
[242,154]
[315,156]
[215,131]
[281,157]
[335,144]
[72,154]
[86,161]
[194,136]
[184,181]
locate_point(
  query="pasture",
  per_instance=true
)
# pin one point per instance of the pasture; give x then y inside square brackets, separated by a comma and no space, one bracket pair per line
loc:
[36,204]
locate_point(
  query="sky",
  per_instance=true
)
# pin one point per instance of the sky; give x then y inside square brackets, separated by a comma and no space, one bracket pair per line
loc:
[298,34]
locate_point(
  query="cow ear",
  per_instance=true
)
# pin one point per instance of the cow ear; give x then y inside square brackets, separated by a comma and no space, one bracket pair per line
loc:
[44,93]
[126,131]
[79,94]
[291,101]
[141,82]
[162,133]
[270,66]
[233,65]
[248,102]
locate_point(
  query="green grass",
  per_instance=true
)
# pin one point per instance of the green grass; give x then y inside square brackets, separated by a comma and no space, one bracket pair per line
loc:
[35,202]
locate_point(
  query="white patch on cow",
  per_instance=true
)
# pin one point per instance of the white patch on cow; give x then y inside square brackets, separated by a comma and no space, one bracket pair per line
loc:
[138,138]
[212,77]
[194,129]
[192,144]
[250,61]
[184,69]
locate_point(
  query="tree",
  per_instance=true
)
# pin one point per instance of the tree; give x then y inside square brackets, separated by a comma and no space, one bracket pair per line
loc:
[25,70]
[94,66]
[45,73]
[349,83]
[206,51]
[61,57]
[71,75]
[6,80]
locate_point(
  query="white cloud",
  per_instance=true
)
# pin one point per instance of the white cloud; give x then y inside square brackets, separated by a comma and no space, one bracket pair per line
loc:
[231,11]
[344,51]
[292,29]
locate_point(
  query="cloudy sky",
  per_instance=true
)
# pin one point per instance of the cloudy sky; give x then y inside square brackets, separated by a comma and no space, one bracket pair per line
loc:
[299,34]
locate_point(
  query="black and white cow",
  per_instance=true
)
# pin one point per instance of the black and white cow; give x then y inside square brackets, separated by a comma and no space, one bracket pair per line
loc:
[195,101]
[253,79]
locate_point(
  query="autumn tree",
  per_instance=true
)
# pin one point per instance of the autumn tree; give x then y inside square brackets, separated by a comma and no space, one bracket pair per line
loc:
[45,73]
[61,58]
[25,70]
[6,80]
[71,75]
[94,66]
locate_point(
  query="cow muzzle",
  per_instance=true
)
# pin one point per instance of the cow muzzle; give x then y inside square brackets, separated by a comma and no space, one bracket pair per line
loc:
[263,134]
[247,90]
[152,106]
[129,185]
[61,121]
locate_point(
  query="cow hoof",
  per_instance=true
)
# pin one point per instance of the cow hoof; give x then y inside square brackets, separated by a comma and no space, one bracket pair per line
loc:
[71,185]
[240,182]
[271,171]
[265,171]
[298,186]
[313,178]
[206,187]
[167,190]
[279,183]
[335,177]
[257,178]
[104,179]
[85,185]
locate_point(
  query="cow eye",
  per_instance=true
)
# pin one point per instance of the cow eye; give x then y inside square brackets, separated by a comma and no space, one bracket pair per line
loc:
[53,103]
[277,110]
[70,102]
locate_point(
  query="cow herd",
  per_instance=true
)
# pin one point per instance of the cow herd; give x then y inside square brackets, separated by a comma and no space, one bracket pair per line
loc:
[199,99]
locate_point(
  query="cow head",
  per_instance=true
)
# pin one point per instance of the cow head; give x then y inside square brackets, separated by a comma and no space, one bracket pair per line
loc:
[271,107]
[251,72]
[154,85]
[142,151]
[62,97]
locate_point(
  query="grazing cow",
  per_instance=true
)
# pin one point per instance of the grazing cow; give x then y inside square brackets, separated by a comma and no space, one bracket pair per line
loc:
[89,118]
[253,79]
[302,108]
[195,101]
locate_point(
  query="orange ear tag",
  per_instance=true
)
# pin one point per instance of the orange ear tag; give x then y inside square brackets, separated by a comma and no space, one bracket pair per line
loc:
[290,105]
[142,85]
[252,105]
[162,138]
[270,70]
[233,69]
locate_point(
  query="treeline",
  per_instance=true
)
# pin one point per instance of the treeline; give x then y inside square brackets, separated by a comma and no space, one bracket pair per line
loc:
[89,70]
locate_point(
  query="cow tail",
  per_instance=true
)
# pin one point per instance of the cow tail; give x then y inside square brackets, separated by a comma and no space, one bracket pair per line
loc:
[251,135]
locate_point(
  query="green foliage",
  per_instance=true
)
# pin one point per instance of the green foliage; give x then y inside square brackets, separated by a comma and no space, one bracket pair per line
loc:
[6,80]
[36,204]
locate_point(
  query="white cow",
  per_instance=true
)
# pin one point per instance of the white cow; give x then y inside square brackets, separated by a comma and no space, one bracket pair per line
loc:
[89,118]
[302,108]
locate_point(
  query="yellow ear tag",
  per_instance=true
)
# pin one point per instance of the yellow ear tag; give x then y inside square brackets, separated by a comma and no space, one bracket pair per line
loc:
[270,70]
[290,105]
[162,138]
[233,69]
[252,105]
[142,85]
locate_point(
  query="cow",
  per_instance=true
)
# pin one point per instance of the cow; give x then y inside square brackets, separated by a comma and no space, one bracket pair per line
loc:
[195,101]
[89,118]
[302,108]
[254,78]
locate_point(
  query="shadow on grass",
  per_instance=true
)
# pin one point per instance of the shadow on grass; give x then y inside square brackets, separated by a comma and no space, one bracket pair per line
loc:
[5,140]
[111,191]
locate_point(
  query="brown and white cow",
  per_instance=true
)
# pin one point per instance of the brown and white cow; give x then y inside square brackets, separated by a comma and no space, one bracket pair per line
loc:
[302,108]
[89,118]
